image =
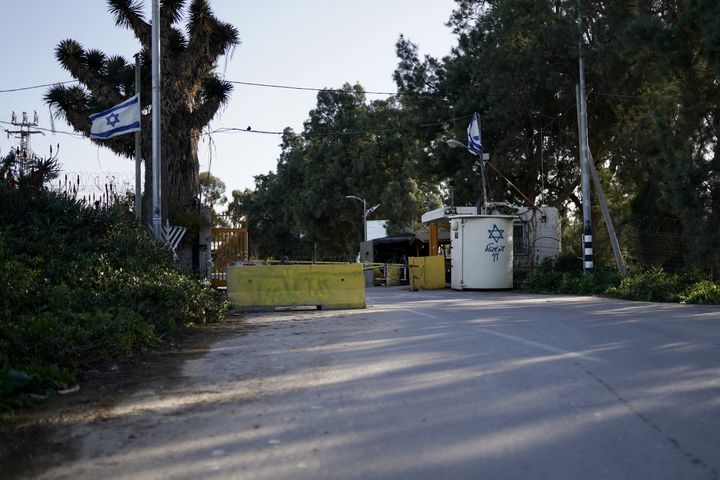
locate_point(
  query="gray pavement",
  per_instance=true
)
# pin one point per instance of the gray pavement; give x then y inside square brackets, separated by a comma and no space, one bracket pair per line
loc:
[433,385]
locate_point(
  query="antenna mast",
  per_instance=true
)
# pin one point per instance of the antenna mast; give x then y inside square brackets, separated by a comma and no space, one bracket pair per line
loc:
[24,134]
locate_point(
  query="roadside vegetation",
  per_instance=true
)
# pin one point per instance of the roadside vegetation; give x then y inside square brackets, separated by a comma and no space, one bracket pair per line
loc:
[82,285]
[651,285]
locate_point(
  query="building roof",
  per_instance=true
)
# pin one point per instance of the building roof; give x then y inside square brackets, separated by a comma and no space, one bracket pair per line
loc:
[442,215]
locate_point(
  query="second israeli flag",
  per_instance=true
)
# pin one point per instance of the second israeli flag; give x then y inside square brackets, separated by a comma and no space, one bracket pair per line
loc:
[474,139]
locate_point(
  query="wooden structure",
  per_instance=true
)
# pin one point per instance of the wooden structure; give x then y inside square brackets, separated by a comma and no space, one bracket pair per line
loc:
[229,245]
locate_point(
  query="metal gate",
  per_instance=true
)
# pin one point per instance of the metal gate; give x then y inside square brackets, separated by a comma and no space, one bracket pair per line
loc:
[229,245]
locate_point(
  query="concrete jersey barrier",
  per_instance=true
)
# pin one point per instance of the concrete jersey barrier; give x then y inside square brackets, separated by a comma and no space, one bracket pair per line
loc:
[271,286]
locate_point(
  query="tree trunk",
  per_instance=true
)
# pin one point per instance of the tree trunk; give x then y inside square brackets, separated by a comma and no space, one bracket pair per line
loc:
[180,168]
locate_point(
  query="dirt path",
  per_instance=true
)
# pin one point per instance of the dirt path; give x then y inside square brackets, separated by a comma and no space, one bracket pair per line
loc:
[50,433]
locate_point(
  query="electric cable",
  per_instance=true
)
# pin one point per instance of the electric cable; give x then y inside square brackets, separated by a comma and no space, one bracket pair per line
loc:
[20,89]
[35,127]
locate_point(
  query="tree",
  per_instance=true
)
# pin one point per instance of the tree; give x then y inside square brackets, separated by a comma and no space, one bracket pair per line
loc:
[652,70]
[212,190]
[652,73]
[212,193]
[515,65]
[192,92]
[348,146]
[20,171]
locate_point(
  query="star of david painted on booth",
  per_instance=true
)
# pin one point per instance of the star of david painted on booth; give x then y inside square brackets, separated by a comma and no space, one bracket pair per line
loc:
[496,234]
[112,119]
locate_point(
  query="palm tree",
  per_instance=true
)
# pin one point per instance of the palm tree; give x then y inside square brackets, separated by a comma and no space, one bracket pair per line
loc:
[191,91]
[21,171]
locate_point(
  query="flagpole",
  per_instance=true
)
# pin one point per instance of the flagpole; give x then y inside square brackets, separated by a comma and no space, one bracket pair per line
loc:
[482,171]
[156,183]
[138,193]
[475,147]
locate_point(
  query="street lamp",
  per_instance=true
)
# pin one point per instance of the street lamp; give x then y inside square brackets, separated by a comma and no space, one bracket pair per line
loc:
[452,143]
[365,212]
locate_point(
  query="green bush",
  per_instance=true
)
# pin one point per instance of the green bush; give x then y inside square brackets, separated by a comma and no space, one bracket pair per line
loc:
[73,339]
[565,275]
[83,285]
[656,285]
[703,292]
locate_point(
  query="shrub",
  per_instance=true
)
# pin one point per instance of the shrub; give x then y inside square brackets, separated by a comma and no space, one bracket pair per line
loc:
[704,291]
[83,285]
[656,285]
[565,275]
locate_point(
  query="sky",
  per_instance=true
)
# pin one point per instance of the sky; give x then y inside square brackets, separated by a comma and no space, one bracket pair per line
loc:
[307,43]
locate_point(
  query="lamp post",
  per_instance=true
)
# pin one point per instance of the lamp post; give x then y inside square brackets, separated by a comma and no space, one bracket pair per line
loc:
[452,143]
[364,214]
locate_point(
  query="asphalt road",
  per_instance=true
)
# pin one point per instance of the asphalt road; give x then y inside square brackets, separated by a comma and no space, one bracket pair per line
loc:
[433,385]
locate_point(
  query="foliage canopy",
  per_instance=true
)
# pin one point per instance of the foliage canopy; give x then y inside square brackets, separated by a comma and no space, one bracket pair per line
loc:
[652,70]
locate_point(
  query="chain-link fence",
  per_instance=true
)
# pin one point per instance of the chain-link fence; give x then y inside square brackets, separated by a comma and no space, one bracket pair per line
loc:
[647,241]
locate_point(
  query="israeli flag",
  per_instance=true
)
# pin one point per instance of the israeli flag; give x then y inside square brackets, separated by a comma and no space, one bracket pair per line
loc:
[474,140]
[118,120]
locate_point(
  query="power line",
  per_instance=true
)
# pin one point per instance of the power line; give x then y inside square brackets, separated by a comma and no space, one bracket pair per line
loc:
[245,130]
[326,134]
[72,134]
[251,84]
[334,90]
[271,132]
[20,89]
[318,134]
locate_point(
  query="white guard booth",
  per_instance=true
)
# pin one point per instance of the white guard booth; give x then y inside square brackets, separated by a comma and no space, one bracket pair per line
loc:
[482,251]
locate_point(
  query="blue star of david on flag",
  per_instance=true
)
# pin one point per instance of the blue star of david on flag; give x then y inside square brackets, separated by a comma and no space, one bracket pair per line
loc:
[118,120]
[112,119]
[496,234]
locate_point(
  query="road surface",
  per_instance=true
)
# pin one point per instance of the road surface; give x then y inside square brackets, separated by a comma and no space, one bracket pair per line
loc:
[431,385]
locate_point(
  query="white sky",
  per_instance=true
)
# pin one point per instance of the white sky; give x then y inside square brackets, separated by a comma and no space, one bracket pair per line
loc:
[307,43]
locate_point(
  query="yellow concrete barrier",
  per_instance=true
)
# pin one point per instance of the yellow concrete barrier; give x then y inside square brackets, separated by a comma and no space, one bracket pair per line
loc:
[270,286]
[427,273]
[389,274]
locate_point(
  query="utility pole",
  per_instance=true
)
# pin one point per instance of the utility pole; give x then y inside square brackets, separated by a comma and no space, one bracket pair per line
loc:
[24,134]
[156,183]
[584,155]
